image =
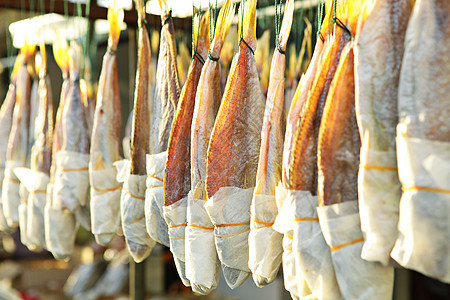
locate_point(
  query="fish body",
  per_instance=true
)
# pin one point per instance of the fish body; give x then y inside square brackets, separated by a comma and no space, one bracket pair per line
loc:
[303,163]
[165,100]
[18,138]
[299,99]
[207,102]
[75,131]
[177,178]
[379,53]
[61,54]
[233,151]
[106,141]
[339,142]
[273,129]
[425,83]
[141,122]
[6,117]
[41,152]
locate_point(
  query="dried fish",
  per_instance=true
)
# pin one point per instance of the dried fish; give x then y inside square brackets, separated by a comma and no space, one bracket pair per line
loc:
[106,142]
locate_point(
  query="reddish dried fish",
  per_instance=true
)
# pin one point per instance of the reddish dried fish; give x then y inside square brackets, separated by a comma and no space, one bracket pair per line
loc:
[177,179]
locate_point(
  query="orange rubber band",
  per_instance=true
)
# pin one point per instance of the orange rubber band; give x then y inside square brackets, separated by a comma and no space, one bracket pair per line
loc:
[154,177]
[346,244]
[263,223]
[201,227]
[425,189]
[178,225]
[74,170]
[39,192]
[139,198]
[236,224]
[12,179]
[306,219]
[134,222]
[155,186]
[106,190]
[381,168]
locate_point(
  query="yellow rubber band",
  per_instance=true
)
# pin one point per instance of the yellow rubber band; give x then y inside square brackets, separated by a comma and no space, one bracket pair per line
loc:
[139,198]
[425,189]
[306,219]
[201,227]
[235,224]
[134,222]
[154,177]
[74,170]
[381,168]
[346,244]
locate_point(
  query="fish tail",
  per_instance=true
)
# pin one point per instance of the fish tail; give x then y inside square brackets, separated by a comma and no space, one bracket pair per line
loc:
[222,26]
[164,7]
[201,34]
[61,54]
[286,25]
[248,22]
[366,10]
[75,57]
[115,18]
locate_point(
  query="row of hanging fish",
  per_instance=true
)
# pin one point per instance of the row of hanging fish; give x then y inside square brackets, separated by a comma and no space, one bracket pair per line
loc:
[338,184]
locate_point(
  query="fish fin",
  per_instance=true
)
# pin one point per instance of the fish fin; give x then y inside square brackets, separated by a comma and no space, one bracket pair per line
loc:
[115,18]
[286,24]
[61,54]
[249,22]
[223,24]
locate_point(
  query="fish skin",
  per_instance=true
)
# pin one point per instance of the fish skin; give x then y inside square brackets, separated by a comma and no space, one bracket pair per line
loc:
[34,111]
[41,152]
[177,177]
[106,140]
[233,151]
[424,81]
[6,117]
[378,59]
[339,141]
[303,163]
[299,99]
[207,102]
[18,138]
[75,131]
[271,154]
[167,92]
[141,123]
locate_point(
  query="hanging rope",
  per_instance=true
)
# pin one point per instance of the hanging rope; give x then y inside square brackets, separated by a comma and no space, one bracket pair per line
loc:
[278,25]
[241,33]
[320,10]
[195,47]
[338,22]
[212,35]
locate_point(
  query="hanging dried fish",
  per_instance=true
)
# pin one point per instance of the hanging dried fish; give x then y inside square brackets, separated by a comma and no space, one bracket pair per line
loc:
[36,177]
[378,57]
[17,153]
[199,231]
[6,119]
[106,142]
[60,224]
[265,244]
[234,152]
[177,178]
[423,143]
[133,174]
